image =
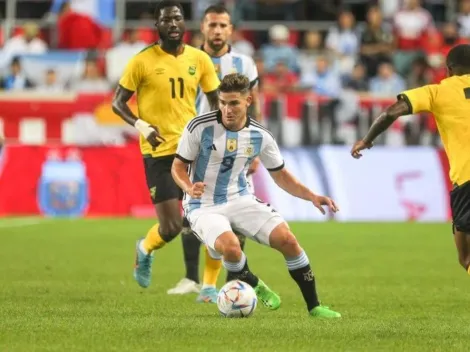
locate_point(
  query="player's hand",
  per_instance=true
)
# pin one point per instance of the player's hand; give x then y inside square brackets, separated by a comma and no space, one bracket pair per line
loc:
[253,166]
[197,190]
[151,133]
[358,146]
[320,201]
[154,138]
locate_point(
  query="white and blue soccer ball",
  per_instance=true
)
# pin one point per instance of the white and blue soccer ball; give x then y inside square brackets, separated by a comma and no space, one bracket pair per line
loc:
[236,299]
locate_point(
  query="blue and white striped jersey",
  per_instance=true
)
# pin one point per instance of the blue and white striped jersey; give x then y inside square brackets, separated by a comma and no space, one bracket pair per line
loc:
[230,62]
[220,157]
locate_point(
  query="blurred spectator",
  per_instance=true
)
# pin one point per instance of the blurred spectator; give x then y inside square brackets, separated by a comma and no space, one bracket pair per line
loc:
[324,80]
[197,40]
[16,79]
[279,49]
[280,80]
[376,42]
[51,83]
[344,42]
[240,44]
[26,43]
[411,25]
[420,74]
[450,37]
[89,35]
[92,80]
[100,11]
[313,48]
[358,80]
[389,7]
[463,19]
[131,42]
[387,82]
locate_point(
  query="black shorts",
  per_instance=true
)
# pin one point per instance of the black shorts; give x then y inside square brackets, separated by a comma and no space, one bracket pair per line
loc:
[460,206]
[160,183]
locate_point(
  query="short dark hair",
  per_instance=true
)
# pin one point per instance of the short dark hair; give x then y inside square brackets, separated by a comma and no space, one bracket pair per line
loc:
[217,8]
[235,82]
[459,57]
[167,3]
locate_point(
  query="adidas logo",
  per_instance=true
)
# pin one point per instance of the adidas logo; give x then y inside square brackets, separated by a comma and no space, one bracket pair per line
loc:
[212,147]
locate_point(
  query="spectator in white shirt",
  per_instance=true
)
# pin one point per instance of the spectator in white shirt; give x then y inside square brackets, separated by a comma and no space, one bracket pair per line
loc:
[51,84]
[26,43]
[92,81]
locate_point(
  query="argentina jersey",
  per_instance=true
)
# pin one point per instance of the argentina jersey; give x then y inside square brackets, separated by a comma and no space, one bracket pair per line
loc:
[219,157]
[230,62]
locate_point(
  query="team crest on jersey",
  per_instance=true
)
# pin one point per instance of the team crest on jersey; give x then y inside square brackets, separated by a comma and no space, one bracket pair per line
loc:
[192,70]
[153,192]
[249,150]
[231,145]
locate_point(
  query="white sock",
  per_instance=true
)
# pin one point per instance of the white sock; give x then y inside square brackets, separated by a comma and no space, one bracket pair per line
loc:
[142,249]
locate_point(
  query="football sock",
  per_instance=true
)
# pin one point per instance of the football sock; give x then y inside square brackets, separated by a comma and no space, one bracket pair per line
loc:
[211,270]
[242,239]
[153,240]
[241,271]
[191,247]
[468,269]
[300,271]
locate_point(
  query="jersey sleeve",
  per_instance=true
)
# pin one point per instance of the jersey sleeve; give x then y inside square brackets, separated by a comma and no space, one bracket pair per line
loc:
[419,99]
[188,146]
[133,75]
[252,72]
[209,79]
[271,156]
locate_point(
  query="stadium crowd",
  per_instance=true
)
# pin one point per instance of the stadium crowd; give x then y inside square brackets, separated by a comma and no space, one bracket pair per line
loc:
[374,47]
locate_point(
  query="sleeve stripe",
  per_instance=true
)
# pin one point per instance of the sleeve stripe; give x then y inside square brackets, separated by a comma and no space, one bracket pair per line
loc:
[254,82]
[276,168]
[186,161]
[405,98]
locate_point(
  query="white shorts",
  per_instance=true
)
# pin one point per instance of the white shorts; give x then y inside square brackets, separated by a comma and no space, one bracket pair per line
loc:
[245,215]
[250,184]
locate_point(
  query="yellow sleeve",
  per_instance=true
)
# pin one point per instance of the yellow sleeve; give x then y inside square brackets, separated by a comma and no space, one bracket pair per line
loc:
[420,99]
[209,79]
[133,75]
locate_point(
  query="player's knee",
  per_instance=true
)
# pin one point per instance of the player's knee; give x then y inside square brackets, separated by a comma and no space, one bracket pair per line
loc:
[286,243]
[231,250]
[170,228]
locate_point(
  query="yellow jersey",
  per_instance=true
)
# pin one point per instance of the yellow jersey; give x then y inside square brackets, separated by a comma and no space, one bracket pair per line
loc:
[166,87]
[449,101]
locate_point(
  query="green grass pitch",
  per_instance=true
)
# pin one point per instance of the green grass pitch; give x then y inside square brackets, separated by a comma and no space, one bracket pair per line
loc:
[67,286]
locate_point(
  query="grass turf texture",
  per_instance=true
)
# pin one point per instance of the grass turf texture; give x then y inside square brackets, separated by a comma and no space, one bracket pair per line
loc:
[67,285]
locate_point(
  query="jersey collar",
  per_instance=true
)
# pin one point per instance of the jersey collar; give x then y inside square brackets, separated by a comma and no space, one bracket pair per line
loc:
[219,120]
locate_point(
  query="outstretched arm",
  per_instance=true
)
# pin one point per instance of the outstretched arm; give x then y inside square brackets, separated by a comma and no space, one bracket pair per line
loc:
[291,185]
[382,123]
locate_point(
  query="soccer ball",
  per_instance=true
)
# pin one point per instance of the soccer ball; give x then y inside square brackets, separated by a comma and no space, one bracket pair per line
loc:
[236,299]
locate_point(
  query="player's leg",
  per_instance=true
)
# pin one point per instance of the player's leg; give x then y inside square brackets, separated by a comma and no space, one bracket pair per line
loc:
[460,206]
[191,250]
[242,240]
[282,239]
[216,232]
[165,195]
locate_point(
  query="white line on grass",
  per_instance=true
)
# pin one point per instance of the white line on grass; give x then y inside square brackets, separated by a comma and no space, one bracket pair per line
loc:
[21,222]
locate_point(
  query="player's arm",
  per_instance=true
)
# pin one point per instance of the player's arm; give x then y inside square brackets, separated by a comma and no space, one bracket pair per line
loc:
[272,159]
[128,84]
[186,153]
[209,81]
[409,102]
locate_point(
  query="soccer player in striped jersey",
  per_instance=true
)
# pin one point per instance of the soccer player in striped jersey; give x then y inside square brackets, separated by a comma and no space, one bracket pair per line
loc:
[218,147]
[217,28]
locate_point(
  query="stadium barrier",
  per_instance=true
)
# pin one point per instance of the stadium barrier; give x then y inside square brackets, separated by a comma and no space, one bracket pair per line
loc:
[388,184]
[296,119]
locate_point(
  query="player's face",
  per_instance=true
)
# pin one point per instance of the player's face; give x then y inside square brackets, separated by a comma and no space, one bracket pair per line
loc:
[170,26]
[233,107]
[217,30]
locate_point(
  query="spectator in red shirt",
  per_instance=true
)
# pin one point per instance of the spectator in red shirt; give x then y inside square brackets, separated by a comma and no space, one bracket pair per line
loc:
[280,80]
[77,31]
[411,28]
